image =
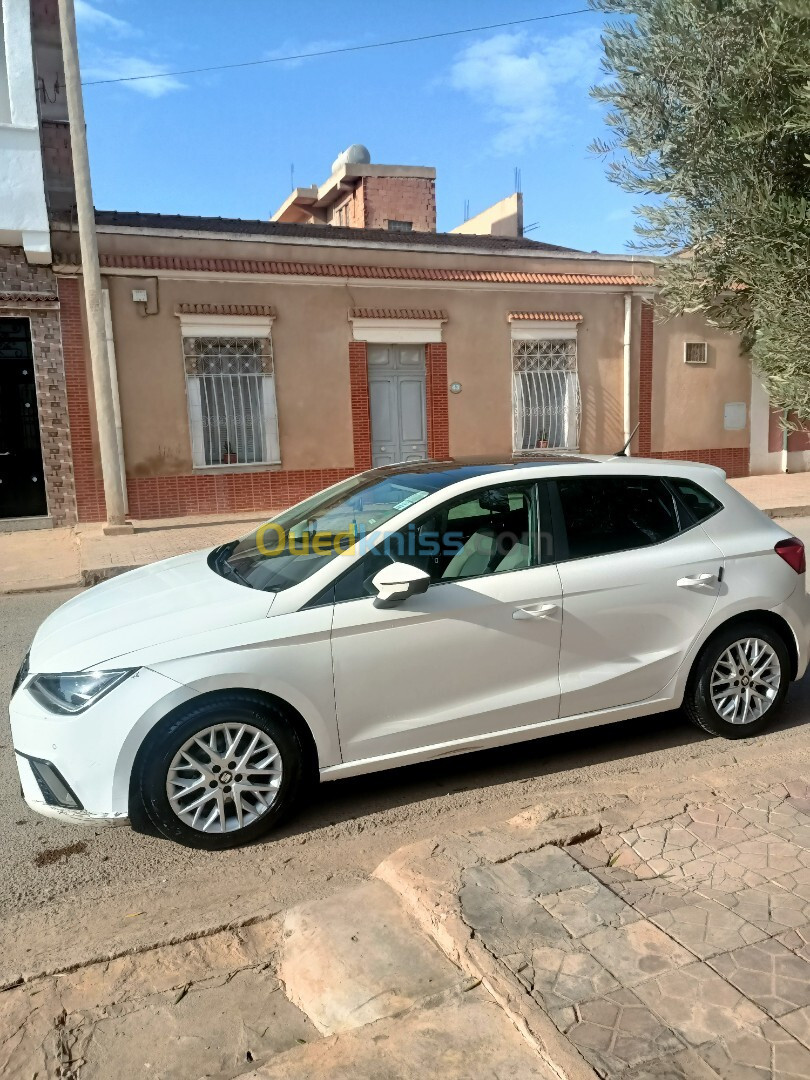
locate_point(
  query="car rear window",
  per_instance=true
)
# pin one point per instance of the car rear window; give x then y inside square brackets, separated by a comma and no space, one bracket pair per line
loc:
[615,513]
[698,502]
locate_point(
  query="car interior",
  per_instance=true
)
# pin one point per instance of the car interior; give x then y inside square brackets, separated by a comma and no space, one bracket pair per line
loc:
[488,532]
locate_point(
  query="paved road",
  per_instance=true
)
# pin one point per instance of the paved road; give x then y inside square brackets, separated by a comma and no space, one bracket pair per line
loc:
[119,890]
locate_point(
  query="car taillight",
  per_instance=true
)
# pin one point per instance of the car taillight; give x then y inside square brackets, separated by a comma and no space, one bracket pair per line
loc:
[792,551]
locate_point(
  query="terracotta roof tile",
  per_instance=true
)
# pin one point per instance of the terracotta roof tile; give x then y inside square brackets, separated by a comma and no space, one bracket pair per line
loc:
[545,316]
[198,263]
[227,309]
[398,313]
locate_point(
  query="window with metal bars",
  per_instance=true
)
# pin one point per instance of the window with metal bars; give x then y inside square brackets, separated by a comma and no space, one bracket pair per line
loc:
[545,395]
[232,400]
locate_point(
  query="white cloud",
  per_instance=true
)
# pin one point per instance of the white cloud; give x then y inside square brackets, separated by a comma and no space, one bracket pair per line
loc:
[528,84]
[90,17]
[111,66]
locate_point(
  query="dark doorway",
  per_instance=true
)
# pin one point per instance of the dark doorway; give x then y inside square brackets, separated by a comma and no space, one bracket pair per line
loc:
[22,480]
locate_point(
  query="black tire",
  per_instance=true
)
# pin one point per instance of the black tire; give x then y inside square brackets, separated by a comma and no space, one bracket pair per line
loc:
[148,791]
[698,704]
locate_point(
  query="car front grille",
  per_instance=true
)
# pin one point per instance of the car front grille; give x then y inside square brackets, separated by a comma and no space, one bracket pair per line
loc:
[22,674]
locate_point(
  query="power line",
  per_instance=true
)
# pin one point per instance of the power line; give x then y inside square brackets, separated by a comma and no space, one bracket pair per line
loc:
[333,52]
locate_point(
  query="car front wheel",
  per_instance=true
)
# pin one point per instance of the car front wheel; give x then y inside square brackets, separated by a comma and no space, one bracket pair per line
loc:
[739,682]
[220,773]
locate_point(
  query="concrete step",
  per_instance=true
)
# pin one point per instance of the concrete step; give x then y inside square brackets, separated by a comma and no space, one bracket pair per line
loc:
[465,1036]
[356,957]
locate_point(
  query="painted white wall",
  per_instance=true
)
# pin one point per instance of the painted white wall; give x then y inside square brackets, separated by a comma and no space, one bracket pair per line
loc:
[23,212]
[765,461]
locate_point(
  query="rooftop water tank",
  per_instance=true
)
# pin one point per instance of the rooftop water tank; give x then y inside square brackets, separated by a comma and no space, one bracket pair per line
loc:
[356,154]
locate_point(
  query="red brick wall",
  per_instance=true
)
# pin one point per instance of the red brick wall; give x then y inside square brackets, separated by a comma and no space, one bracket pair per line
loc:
[645,371]
[86,470]
[398,198]
[734,460]
[224,493]
[438,429]
[361,418]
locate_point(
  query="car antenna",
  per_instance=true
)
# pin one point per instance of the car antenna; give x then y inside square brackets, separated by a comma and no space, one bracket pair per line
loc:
[623,451]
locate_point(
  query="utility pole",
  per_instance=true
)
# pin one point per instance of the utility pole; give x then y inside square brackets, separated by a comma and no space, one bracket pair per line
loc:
[102,382]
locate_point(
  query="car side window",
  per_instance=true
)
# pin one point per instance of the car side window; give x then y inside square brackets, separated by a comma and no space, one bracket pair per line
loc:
[615,513]
[489,531]
[699,503]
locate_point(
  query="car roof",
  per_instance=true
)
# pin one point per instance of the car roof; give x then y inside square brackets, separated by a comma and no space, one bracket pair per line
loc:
[448,473]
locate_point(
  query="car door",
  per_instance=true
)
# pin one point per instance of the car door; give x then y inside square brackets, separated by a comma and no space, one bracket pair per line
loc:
[477,653]
[639,582]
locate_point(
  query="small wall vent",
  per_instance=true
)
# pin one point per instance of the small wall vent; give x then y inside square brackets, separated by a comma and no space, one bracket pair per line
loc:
[695,352]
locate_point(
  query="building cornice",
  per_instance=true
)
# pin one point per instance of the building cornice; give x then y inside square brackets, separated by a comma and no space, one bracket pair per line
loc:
[204,265]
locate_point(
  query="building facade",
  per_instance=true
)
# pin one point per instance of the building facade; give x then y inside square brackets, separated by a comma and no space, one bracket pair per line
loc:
[257,362]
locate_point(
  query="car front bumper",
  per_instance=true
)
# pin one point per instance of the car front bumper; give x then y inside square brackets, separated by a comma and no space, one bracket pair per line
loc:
[77,768]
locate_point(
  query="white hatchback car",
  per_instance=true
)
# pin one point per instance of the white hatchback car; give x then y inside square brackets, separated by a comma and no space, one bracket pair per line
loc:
[408,613]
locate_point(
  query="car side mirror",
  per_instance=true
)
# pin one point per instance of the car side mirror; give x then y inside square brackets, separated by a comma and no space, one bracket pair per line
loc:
[397,582]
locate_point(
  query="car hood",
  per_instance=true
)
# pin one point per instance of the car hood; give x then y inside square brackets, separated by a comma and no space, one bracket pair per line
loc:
[161,602]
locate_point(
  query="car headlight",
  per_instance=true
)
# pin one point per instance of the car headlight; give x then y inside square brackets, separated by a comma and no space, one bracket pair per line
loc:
[73,693]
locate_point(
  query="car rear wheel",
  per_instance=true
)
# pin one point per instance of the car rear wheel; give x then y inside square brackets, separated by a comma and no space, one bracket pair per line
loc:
[221,773]
[739,681]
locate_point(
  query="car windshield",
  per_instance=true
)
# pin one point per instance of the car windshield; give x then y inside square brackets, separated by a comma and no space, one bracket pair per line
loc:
[292,546]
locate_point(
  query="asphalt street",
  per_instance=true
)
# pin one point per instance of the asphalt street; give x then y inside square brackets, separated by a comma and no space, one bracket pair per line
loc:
[69,892]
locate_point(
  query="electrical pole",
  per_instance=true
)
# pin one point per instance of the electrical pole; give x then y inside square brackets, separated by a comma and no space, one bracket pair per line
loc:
[102,383]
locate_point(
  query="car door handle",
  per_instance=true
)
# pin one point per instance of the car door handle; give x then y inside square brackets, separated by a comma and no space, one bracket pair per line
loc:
[694,579]
[538,611]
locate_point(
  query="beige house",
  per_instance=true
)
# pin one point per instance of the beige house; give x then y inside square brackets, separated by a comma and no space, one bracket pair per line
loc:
[258,361]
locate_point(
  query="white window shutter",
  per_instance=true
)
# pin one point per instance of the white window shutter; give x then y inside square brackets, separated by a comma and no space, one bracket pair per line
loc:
[272,451]
[196,422]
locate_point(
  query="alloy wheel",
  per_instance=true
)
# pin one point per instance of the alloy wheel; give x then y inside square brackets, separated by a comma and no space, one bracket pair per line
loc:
[745,681]
[224,778]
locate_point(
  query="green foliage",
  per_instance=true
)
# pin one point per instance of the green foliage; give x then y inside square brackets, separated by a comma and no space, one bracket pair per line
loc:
[709,110]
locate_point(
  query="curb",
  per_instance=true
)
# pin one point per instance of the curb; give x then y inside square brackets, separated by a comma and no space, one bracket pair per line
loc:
[427,877]
[94,575]
[25,590]
[787,511]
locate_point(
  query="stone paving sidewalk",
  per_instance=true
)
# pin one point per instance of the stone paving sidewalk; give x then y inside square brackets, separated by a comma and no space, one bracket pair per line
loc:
[103,556]
[661,944]
[779,495]
[65,558]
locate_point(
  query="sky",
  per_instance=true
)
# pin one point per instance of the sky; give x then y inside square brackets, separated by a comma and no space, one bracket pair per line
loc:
[476,106]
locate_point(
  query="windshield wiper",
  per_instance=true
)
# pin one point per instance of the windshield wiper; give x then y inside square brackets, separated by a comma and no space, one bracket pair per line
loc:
[218,561]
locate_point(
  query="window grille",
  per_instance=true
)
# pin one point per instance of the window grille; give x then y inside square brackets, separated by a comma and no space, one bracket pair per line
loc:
[546,403]
[232,400]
